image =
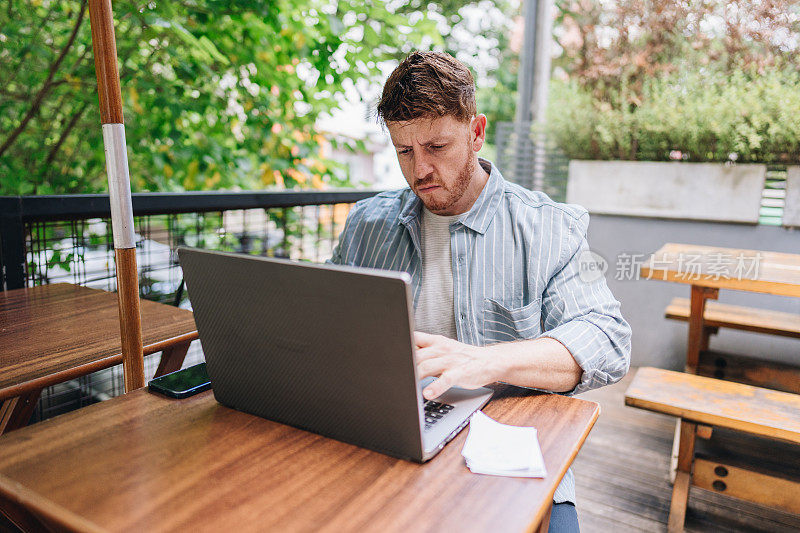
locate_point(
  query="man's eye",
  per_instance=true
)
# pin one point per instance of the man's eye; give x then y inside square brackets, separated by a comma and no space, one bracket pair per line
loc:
[404,152]
[437,146]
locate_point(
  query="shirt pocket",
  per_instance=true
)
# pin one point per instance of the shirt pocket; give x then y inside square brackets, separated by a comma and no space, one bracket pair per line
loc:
[503,324]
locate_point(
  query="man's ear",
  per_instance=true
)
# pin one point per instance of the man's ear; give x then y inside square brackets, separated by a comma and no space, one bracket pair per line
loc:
[477,132]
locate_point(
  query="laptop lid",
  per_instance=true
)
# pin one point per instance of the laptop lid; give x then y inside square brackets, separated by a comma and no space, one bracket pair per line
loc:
[324,348]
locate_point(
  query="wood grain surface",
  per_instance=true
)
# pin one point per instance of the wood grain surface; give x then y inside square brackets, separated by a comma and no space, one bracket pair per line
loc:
[739,317]
[710,266]
[142,462]
[715,402]
[130,318]
[747,485]
[105,61]
[751,371]
[53,333]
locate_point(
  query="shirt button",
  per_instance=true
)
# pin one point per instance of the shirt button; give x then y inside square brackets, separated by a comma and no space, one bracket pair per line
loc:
[460,259]
[463,316]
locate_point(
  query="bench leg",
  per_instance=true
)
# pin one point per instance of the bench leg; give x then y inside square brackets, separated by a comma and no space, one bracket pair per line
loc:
[698,332]
[172,359]
[673,460]
[680,498]
[683,478]
[703,432]
[16,412]
[707,332]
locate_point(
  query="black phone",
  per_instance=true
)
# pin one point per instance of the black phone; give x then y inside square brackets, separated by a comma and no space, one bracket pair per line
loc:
[183,383]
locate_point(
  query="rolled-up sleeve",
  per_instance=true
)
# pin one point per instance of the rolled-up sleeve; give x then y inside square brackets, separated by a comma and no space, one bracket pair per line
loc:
[579,311]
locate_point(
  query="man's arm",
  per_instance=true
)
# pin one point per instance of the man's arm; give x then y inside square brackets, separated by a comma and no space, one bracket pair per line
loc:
[542,363]
[585,345]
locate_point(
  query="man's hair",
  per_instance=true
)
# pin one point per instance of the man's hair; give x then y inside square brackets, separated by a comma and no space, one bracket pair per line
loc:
[428,84]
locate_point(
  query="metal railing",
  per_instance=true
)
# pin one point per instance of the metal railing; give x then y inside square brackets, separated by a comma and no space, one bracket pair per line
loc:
[539,166]
[51,239]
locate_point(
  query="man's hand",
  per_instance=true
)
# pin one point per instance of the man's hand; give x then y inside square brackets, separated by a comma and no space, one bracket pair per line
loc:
[542,363]
[455,363]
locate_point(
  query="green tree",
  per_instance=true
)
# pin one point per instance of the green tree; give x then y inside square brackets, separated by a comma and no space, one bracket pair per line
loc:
[217,94]
[479,33]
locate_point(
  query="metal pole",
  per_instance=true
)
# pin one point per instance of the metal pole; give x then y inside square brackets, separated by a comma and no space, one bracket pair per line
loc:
[525,80]
[541,88]
[108,88]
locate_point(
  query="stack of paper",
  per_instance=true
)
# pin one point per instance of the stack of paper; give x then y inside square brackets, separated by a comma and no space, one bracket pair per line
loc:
[500,450]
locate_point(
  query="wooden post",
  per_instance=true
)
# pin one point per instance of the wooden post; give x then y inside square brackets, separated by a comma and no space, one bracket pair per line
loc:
[698,333]
[108,89]
[698,342]
[683,479]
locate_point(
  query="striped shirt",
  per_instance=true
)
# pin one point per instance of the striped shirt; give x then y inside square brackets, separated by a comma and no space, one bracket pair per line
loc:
[516,257]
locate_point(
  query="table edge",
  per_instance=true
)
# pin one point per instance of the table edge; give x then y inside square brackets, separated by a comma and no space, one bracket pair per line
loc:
[540,513]
[18,494]
[777,288]
[73,372]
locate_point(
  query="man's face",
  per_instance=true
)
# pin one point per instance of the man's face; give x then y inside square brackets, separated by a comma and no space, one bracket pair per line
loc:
[437,157]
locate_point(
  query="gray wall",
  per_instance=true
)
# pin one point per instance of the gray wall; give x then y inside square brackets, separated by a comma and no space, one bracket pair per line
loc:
[661,342]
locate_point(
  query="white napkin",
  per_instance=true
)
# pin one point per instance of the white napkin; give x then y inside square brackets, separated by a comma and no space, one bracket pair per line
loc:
[500,450]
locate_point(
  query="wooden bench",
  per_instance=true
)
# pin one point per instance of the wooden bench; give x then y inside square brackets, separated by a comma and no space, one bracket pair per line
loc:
[719,315]
[740,368]
[703,403]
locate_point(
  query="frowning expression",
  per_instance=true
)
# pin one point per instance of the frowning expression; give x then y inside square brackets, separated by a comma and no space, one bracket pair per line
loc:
[437,157]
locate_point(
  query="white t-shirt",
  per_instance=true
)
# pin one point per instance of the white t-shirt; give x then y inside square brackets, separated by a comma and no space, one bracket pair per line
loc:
[434,313]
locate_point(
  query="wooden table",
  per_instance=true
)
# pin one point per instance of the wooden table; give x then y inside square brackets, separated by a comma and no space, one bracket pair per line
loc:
[142,462]
[53,333]
[708,269]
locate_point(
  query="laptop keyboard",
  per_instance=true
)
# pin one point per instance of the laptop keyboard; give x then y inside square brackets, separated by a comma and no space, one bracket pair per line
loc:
[434,411]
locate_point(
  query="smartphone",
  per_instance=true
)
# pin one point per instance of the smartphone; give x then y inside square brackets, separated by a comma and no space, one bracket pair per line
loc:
[183,383]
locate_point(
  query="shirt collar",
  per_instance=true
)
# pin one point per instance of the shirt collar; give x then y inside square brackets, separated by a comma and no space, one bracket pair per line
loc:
[479,216]
[482,212]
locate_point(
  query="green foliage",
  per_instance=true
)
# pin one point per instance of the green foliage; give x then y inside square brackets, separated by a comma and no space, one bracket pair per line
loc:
[696,116]
[700,81]
[217,94]
[497,98]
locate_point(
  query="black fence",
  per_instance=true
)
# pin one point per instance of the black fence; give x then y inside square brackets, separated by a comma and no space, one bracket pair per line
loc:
[51,239]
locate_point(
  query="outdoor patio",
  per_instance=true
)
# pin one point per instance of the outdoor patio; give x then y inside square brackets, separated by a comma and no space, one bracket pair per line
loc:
[628,196]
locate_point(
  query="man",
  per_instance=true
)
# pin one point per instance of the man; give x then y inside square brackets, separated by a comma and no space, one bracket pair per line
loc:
[498,294]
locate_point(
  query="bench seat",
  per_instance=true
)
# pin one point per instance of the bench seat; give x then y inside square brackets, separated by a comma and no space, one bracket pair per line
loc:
[715,402]
[720,315]
[702,404]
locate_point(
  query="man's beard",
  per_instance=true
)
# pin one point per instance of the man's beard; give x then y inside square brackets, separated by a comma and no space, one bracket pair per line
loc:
[454,192]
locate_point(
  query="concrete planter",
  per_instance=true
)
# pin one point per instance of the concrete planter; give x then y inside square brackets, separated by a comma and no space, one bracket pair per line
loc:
[675,190]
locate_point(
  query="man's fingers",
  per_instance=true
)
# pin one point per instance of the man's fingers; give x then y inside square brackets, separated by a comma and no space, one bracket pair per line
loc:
[429,352]
[449,378]
[433,366]
[422,339]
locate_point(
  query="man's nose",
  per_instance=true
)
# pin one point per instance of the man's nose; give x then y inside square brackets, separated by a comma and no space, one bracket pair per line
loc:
[422,165]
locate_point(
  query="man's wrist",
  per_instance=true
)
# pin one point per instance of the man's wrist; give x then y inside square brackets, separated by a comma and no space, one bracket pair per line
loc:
[503,362]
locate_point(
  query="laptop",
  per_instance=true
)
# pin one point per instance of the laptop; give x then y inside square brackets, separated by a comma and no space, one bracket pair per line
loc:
[324,348]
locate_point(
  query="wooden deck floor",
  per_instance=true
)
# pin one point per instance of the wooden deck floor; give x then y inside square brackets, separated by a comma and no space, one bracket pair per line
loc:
[622,476]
